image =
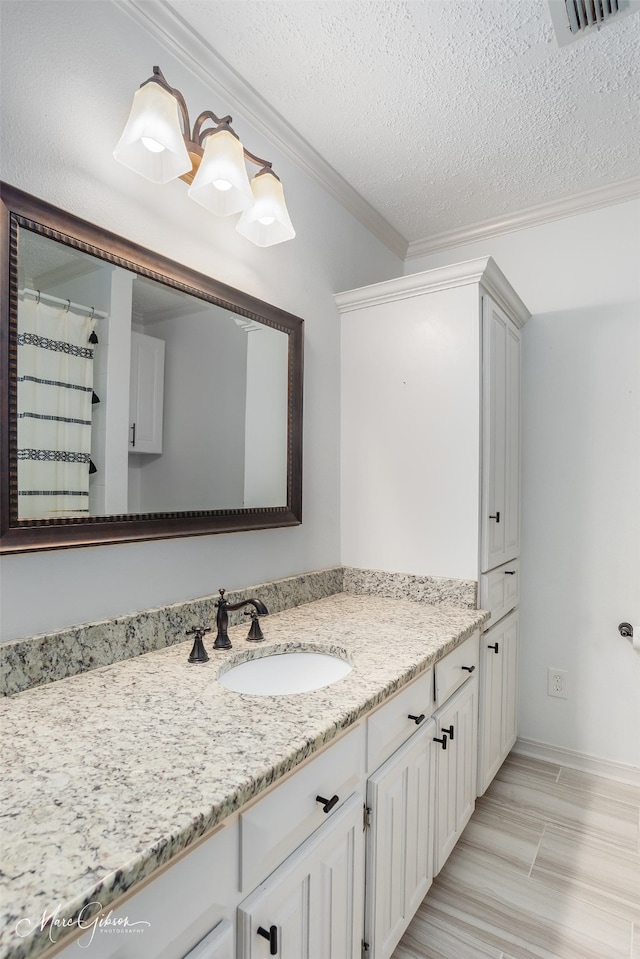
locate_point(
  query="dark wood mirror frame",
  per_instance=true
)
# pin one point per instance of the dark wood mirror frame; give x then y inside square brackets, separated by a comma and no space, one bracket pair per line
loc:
[19,209]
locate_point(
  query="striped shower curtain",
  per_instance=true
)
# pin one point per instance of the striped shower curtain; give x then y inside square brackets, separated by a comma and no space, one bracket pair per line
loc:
[55,389]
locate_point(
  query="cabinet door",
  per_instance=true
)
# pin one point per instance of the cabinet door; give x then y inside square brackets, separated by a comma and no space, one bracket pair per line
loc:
[312,905]
[456,768]
[498,697]
[399,847]
[510,683]
[500,525]
[146,394]
[490,713]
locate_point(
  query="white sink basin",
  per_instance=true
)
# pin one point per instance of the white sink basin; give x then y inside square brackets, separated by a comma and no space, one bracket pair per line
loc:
[280,674]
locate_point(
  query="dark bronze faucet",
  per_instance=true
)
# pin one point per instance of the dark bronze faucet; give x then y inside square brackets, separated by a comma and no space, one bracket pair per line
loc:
[222,619]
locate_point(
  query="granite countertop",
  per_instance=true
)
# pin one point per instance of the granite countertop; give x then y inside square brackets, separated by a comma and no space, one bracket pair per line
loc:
[112,772]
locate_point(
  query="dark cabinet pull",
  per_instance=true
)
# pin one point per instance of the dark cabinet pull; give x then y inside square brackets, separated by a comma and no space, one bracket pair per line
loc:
[469,669]
[449,732]
[272,936]
[443,741]
[417,719]
[496,517]
[133,434]
[510,572]
[327,804]
[495,647]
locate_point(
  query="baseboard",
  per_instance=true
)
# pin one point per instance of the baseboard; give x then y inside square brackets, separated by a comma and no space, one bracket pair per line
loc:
[575,760]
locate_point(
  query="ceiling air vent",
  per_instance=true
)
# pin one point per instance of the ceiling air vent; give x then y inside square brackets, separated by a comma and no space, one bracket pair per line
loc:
[575,18]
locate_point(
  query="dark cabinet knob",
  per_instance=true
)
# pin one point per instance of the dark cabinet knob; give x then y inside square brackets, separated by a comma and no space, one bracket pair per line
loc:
[496,516]
[417,719]
[272,935]
[327,804]
[443,741]
[495,647]
[449,732]
[469,669]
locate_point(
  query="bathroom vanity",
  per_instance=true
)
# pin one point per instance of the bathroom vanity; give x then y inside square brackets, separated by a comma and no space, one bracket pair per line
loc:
[207,820]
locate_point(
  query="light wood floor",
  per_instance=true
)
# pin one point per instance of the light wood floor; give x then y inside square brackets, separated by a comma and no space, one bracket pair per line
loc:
[548,867]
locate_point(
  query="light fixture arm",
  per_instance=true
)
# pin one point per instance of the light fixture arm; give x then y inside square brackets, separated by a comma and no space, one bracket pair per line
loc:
[198,136]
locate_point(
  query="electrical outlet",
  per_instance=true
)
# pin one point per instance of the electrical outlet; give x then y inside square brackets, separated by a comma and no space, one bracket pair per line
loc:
[557,683]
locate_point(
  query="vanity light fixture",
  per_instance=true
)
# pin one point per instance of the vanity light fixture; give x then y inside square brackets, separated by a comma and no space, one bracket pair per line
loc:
[157,142]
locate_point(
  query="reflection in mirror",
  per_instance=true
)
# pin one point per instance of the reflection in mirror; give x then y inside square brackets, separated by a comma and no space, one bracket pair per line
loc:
[143,400]
[134,397]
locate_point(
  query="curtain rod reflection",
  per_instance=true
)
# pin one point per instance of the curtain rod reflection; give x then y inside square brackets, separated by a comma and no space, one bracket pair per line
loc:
[58,301]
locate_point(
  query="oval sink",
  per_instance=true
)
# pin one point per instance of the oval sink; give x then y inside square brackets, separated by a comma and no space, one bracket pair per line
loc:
[280,674]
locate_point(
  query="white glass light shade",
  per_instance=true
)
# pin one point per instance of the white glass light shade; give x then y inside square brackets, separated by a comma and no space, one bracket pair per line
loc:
[221,183]
[267,222]
[152,143]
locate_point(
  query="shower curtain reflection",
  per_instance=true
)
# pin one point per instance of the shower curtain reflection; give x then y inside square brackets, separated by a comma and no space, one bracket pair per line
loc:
[55,389]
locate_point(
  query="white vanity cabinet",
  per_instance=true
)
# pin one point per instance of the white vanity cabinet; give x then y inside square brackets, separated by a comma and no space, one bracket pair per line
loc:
[456,764]
[311,906]
[335,859]
[399,842]
[456,738]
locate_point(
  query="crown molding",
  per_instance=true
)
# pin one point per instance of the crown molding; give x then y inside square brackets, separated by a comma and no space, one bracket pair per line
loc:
[166,25]
[482,271]
[534,216]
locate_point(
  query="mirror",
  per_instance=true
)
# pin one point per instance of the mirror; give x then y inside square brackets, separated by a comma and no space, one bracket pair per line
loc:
[143,400]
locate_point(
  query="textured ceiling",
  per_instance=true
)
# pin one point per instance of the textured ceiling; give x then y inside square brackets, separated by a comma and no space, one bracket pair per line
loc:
[445,113]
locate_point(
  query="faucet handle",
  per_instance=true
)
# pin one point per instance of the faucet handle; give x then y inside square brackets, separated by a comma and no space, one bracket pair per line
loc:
[198,654]
[255,631]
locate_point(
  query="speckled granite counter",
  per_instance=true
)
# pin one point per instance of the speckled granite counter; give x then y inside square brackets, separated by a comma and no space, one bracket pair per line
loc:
[112,772]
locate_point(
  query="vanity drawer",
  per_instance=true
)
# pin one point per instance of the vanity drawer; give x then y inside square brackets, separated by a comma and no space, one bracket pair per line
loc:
[500,590]
[390,725]
[273,827]
[456,667]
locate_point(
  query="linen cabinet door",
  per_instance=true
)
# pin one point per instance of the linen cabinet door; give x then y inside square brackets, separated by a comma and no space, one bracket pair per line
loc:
[500,522]
[512,450]
[400,842]
[494,433]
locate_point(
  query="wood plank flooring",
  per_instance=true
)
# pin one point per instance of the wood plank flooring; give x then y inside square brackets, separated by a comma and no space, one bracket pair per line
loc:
[547,868]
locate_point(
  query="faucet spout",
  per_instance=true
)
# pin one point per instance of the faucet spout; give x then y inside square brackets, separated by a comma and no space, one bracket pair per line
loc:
[222,640]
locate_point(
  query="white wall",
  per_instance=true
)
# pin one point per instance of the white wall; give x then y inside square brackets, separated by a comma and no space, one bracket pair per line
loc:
[69,71]
[581,473]
[205,378]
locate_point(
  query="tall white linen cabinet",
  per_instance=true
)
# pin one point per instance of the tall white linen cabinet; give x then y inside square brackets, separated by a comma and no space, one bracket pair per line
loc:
[431,453]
